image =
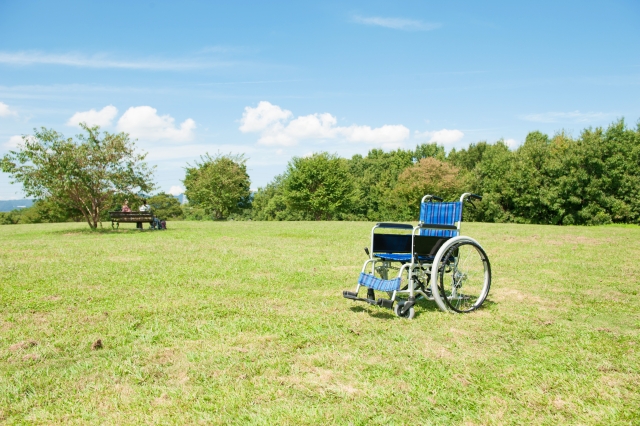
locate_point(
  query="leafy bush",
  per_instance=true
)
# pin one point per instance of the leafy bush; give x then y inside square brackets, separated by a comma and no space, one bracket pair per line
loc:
[165,207]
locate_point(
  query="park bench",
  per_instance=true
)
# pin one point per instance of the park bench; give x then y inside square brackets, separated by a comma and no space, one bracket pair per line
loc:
[129,217]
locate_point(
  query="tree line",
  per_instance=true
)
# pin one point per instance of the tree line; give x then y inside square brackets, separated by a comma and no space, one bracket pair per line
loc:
[591,179]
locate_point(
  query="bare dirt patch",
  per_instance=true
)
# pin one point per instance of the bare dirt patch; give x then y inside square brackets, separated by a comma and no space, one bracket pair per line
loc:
[23,345]
[518,240]
[581,240]
[165,356]
[162,400]
[52,298]
[512,294]
[462,380]
[31,357]
[319,380]
[559,403]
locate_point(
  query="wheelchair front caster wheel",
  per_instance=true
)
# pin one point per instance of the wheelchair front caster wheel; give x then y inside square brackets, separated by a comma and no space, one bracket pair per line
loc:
[408,314]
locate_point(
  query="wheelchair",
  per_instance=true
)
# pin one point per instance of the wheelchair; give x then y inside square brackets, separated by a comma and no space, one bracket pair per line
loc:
[429,261]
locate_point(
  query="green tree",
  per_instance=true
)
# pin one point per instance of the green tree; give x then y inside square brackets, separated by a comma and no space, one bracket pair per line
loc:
[270,203]
[489,178]
[468,158]
[605,175]
[429,150]
[319,187]
[51,212]
[375,177]
[530,184]
[83,174]
[218,184]
[165,206]
[428,176]
[42,211]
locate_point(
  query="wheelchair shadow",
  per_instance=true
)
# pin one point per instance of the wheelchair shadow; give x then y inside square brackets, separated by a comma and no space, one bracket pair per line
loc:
[487,304]
[424,306]
[421,306]
[374,312]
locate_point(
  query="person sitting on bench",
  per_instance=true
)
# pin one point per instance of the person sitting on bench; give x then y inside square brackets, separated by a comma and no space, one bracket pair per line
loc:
[144,207]
[155,223]
[125,207]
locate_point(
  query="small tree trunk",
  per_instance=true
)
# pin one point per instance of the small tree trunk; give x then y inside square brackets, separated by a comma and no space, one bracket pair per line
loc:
[87,217]
[95,216]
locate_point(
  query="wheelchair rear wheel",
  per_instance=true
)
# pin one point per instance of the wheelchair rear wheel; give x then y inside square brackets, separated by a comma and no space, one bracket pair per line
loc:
[464,277]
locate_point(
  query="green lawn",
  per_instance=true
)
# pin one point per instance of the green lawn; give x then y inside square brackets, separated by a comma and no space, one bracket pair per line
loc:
[244,322]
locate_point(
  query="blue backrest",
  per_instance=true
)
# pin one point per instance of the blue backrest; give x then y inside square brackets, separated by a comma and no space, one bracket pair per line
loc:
[440,214]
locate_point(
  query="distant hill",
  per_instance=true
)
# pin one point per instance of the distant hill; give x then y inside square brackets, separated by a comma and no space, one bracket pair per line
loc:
[181,198]
[8,205]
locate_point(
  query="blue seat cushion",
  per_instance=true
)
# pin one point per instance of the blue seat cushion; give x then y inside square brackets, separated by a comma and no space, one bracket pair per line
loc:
[400,257]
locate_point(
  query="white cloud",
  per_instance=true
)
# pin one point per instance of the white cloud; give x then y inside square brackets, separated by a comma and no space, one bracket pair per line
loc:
[144,122]
[17,141]
[397,23]
[444,136]
[176,190]
[103,61]
[13,142]
[387,135]
[5,111]
[511,143]
[314,126]
[262,116]
[573,117]
[101,118]
[276,128]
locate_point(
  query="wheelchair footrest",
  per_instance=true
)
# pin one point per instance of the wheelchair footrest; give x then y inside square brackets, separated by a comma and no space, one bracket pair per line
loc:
[368,280]
[385,303]
[354,296]
[350,295]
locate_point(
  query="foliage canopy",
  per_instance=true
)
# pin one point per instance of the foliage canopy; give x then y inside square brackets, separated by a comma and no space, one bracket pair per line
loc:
[589,180]
[218,184]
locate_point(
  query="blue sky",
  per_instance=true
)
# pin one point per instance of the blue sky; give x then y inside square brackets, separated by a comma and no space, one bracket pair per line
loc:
[274,80]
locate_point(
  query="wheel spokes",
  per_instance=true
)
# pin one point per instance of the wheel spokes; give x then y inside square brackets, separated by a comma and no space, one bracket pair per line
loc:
[466,283]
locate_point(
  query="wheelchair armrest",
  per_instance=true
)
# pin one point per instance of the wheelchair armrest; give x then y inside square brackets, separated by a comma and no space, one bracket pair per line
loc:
[433,226]
[393,225]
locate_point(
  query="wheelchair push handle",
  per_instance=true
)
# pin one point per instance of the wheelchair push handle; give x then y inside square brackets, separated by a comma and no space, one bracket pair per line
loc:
[470,196]
[430,197]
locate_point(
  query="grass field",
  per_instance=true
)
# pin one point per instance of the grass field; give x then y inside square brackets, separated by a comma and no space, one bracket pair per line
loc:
[241,322]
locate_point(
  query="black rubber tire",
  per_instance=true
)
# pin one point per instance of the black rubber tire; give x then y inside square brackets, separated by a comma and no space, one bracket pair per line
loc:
[478,266]
[409,314]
